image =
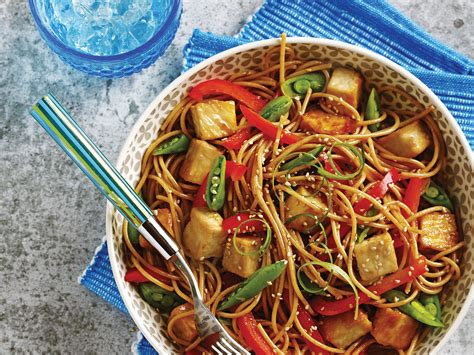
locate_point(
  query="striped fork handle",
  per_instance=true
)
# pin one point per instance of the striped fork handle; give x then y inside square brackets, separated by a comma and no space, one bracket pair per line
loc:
[71,138]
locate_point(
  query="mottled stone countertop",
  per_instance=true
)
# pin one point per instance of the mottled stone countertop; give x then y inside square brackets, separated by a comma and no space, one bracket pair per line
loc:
[52,218]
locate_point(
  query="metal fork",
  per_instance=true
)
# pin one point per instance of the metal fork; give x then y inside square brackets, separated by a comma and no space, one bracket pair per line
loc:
[71,138]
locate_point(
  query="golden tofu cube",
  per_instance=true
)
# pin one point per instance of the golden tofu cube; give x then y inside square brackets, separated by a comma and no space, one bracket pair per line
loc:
[204,236]
[163,215]
[184,328]
[214,119]
[408,141]
[393,328]
[342,330]
[235,262]
[439,231]
[198,161]
[346,83]
[318,121]
[315,205]
[376,257]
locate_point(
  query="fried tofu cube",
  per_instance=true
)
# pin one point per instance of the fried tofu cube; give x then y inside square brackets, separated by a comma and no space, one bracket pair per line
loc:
[376,257]
[314,205]
[342,330]
[439,231]
[204,236]
[198,161]
[408,141]
[184,328]
[346,83]
[163,215]
[235,262]
[214,119]
[318,121]
[393,328]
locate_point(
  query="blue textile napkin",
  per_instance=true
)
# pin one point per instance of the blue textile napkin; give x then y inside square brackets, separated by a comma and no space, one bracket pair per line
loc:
[373,24]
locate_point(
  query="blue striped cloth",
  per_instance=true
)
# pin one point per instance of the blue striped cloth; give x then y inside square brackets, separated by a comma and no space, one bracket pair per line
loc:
[373,24]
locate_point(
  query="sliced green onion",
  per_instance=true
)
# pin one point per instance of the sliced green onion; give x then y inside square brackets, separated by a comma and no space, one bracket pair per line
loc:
[362,235]
[308,285]
[339,175]
[265,244]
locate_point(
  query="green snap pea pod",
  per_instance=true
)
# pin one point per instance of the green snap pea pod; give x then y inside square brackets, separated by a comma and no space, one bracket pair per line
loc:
[254,284]
[276,108]
[215,187]
[299,85]
[176,144]
[372,110]
[432,304]
[436,196]
[414,309]
[303,158]
[133,234]
[158,297]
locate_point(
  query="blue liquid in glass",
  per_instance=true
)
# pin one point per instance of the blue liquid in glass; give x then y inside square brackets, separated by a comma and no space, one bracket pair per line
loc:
[105,27]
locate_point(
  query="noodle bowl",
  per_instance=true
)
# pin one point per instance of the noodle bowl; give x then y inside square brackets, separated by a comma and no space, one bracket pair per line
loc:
[265,188]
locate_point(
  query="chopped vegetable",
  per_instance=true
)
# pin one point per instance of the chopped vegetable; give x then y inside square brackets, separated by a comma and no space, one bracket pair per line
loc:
[408,141]
[276,108]
[135,276]
[215,187]
[303,214]
[342,329]
[299,85]
[254,284]
[372,110]
[439,231]
[133,234]
[413,192]
[214,119]
[241,255]
[394,329]
[173,145]
[158,297]
[414,309]
[363,234]
[203,236]
[237,139]
[389,282]
[268,128]
[251,335]
[309,325]
[432,304]
[198,161]
[318,121]
[305,158]
[376,257]
[226,87]
[436,196]
[307,284]
[245,222]
[333,171]
[184,328]
[345,83]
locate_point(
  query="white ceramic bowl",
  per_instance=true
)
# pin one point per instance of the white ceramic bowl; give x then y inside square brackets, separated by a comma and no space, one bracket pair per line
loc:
[458,172]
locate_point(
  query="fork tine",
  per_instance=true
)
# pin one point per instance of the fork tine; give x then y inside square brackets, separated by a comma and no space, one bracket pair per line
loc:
[229,346]
[223,347]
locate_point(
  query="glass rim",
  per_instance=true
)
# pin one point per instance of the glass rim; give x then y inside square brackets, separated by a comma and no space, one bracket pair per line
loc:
[176,6]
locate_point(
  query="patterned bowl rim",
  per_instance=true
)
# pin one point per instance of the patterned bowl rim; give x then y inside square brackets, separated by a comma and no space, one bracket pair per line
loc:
[254,45]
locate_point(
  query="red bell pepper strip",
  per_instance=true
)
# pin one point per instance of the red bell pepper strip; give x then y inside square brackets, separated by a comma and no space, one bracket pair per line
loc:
[236,140]
[233,170]
[252,336]
[135,276]
[267,127]
[226,87]
[413,193]
[400,277]
[308,324]
[240,220]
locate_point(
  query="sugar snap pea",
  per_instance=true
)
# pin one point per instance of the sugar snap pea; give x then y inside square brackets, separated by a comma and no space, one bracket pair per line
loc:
[276,108]
[372,110]
[414,309]
[432,304]
[436,196]
[158,297]
[299,85]
[176,144]
[254,284]
[303,159]
[215,187]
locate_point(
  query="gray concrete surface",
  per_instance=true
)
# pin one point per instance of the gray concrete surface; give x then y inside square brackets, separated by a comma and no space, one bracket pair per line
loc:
[51,217]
